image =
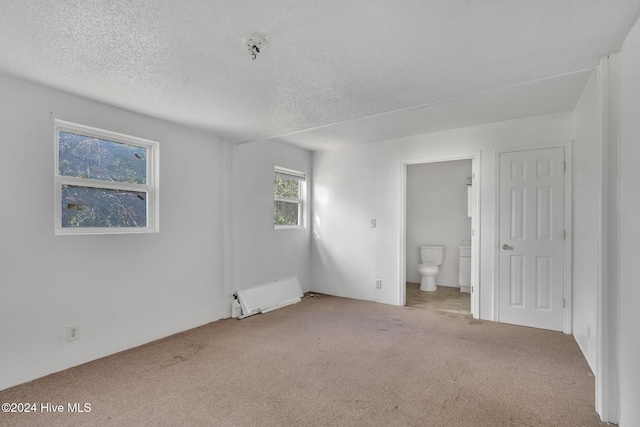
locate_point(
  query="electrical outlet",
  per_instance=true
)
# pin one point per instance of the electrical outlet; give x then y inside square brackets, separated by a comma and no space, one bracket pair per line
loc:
[378,283]
[73,332]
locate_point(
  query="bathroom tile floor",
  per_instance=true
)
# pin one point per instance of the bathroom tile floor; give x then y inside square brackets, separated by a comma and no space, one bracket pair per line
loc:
[444,299]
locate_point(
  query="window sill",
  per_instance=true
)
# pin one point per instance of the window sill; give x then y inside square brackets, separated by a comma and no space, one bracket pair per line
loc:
[79,231]
[288,227]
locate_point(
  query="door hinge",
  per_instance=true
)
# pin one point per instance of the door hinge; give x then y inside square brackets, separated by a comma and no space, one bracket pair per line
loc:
[564,234]
[564,166]
[564,303]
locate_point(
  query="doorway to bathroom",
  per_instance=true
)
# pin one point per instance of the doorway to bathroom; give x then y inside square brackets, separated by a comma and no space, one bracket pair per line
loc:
[440,206]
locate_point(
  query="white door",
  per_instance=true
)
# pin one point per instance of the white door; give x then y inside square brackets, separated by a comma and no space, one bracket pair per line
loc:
[531,261]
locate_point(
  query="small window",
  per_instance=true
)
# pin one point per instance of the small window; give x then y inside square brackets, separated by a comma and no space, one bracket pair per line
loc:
[105,182]
[289,195]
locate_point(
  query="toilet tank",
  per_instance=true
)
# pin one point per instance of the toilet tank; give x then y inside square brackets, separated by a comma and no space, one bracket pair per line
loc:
[432,254]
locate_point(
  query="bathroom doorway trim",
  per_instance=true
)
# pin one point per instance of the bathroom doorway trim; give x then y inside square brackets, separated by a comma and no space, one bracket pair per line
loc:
[475,225]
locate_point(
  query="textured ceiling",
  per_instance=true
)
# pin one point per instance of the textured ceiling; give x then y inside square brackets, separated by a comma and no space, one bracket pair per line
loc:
[334,71]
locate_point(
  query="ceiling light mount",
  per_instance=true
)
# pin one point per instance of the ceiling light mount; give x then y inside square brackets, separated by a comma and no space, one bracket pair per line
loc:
[255,43]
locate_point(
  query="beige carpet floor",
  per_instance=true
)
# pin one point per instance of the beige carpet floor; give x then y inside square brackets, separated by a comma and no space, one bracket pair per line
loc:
[328,361]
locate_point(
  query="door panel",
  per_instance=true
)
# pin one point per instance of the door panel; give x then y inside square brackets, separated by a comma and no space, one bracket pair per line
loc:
[516,281]
[531,217]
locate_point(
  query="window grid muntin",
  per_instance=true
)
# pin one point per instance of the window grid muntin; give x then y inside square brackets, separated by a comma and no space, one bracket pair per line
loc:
[102,143]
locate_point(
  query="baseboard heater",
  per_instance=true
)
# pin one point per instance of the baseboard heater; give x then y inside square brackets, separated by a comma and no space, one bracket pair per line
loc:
[268,297]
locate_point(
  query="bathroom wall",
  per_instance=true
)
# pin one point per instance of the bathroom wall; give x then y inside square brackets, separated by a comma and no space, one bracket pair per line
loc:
[437,215]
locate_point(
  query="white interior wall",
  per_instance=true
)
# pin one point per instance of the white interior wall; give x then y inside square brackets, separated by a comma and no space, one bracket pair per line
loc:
[629,230]
[262,254]
[122,290]
[356,184]
[436,214]
[216,236]
[586,201]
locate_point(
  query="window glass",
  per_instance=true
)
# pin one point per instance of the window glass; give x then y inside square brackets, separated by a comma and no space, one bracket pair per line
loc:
[89,157]
[102,207]
[286,213]
[287,188]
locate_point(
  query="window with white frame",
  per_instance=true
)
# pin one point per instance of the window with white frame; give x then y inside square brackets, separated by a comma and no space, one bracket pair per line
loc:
[105,182]
[289,198]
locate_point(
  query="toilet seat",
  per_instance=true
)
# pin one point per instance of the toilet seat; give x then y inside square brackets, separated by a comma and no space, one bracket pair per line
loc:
[428,267]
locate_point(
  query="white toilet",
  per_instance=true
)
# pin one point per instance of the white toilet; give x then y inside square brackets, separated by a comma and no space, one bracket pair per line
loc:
[432,258]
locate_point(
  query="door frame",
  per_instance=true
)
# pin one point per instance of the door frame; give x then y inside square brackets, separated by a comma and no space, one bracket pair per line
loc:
[568,197]
[475,158]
